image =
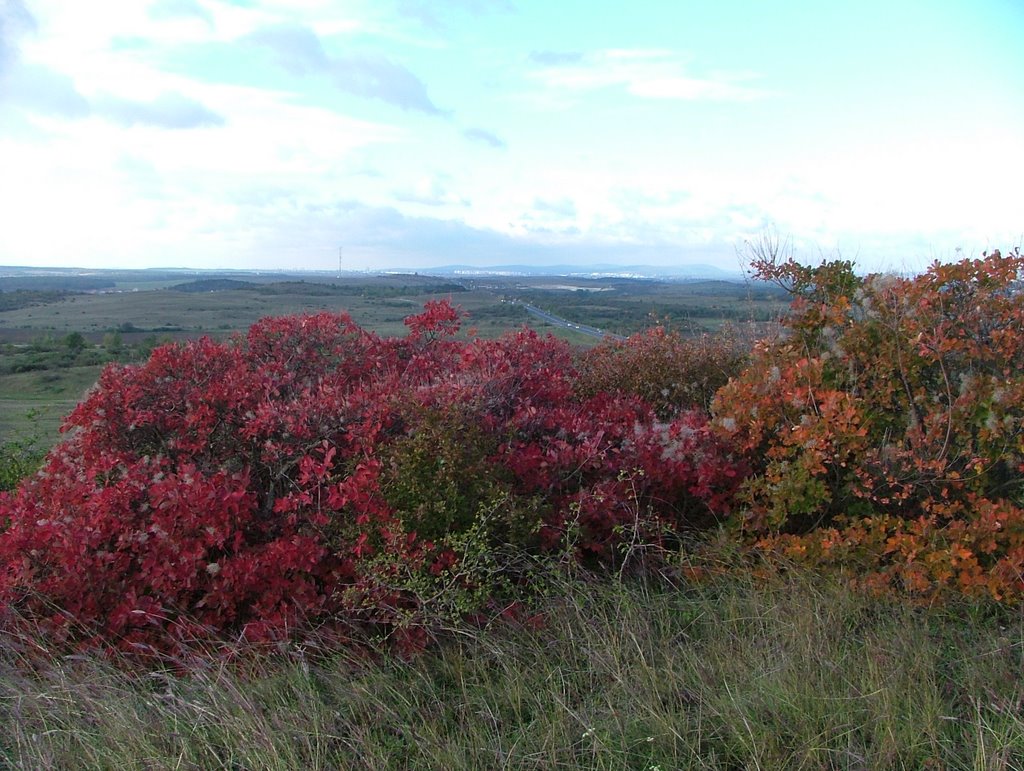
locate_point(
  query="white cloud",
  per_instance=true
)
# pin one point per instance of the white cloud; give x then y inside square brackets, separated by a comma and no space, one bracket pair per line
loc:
[431,191]
[170,110]
[15,23]
[365,74]
[43,90]
[176,9]
[690,89]
[430,13]
[644,73]
[623,152]
[485,137]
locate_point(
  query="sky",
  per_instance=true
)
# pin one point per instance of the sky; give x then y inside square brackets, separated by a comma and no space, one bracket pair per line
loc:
[280,134]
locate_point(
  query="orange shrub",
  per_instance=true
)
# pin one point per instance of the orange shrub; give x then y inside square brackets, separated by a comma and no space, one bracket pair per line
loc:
[884,428]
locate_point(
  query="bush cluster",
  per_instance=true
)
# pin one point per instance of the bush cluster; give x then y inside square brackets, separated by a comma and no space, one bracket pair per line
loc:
[668,371]
[315,473]
[883,429]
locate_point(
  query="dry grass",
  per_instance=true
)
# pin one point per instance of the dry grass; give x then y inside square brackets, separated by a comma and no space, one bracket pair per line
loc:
[796,673]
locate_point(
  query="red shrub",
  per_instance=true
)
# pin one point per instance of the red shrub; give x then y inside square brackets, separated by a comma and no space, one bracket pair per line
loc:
[311,472]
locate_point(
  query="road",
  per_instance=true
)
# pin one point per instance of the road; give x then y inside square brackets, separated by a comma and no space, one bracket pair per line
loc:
[558,321]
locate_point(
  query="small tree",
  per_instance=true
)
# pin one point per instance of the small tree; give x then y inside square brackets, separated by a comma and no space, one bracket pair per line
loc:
[75,343]
[113,343]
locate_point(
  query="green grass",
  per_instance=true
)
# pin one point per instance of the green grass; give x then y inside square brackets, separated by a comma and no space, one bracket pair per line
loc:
[143,308]
[629,306]
[162,310]
[33,404]
[795,672]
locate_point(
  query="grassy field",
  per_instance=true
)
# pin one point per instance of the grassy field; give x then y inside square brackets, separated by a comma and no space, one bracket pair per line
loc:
[217,313]
[626,306]
[143,308]
[35,403]
[148,302]
[797,672]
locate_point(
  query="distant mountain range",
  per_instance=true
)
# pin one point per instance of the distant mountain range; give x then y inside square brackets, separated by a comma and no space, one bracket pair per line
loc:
[679,272]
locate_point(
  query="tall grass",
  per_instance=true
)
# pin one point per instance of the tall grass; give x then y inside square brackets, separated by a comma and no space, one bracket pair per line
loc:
[797,672]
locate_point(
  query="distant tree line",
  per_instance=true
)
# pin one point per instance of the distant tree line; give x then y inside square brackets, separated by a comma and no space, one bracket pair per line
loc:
[314,289]
[26,298]
[54,283]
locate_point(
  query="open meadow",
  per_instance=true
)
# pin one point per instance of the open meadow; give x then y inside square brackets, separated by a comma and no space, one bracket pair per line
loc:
[122,315]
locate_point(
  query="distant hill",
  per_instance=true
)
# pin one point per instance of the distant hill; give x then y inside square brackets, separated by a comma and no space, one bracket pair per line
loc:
[212,285]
